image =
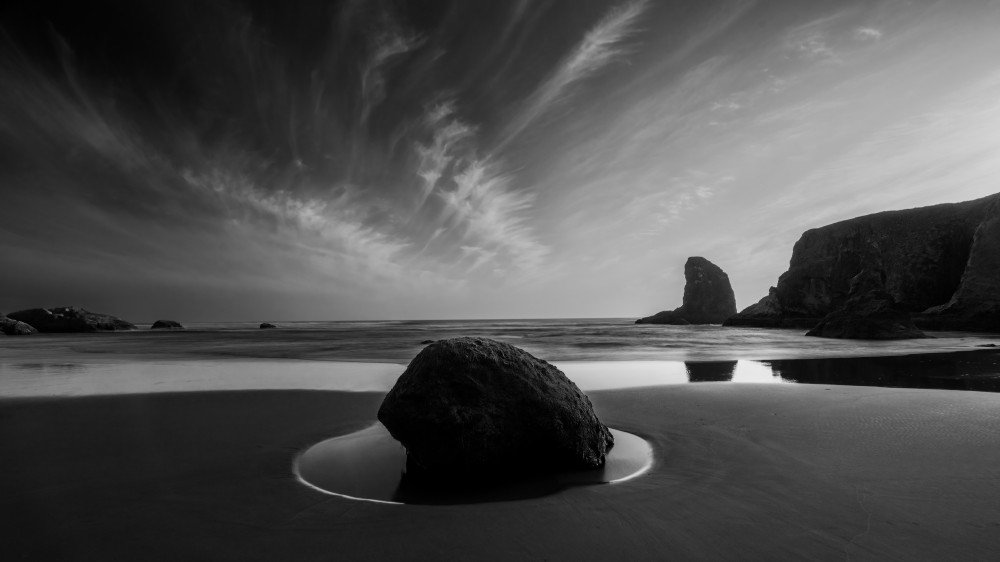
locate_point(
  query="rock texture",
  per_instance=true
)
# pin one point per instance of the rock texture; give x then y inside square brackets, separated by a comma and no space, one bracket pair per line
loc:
[940,263]
[166,325]
[474,408]
[267,325]
[11,327]
[870,313]
[69,319]
[708,297]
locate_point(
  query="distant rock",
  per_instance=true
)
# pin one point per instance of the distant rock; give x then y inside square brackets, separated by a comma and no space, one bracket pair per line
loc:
[475,408]
[941,263]
[166,325]
[11,327]
[70,319]
[425,342]
[708,297]
[672,317]
[267,325]
[869,314]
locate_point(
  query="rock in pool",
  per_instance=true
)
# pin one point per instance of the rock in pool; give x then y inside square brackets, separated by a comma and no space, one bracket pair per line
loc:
[267,325]
[166,325]
[69,319]
[477,409]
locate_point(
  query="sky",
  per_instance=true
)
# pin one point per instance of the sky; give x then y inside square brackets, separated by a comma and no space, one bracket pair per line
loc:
[375,159]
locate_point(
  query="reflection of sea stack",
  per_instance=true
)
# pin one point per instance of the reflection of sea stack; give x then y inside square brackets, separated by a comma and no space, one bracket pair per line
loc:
[710,371]
[476,408]
[708,297]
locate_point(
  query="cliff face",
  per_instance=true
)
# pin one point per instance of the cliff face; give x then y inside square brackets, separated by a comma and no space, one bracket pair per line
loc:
[708,297]
[940,263]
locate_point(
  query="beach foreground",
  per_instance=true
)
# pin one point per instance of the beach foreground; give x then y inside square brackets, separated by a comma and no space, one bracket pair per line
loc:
[741,472]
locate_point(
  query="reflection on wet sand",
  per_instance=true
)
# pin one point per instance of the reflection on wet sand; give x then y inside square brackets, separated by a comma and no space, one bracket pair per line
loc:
[710,371]
[974,370]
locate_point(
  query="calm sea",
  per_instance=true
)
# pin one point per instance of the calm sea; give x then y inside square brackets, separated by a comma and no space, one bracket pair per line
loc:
[596,353]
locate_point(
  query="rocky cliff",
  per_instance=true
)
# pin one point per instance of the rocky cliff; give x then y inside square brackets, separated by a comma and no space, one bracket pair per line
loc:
[708,297]
[941,263]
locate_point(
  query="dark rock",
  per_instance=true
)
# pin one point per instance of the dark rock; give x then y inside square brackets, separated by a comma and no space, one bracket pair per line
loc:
[70,319]
[425,342]
[481,409]
[939,263]
[266,325]
[672,317]
[166,325]
[766,313]
[975,305]
[11,327]
[869,314]
[708,297]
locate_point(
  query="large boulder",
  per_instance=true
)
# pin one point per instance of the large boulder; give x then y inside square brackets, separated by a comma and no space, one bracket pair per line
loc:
[69,319]
[870,313]
[267,326]
[708,297]
[475,408]
[166,325]
[940,263]
[11,327]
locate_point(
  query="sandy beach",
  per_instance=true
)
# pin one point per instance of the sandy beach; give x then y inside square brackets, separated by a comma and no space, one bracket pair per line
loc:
[748,472]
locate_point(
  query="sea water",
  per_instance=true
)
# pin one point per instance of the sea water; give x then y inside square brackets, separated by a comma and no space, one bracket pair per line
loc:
[368,356]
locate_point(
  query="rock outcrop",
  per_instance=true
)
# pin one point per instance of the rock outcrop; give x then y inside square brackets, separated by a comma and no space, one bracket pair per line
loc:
[477,409]
[940,263]
[869,313]
[267,326]
[708,297]
[69,319]
[166,325]
[11,327]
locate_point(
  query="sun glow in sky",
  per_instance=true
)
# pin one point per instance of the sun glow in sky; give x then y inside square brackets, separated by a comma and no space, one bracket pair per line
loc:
[467,159]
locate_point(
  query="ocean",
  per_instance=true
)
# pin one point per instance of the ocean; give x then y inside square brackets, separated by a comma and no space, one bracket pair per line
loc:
[368,356]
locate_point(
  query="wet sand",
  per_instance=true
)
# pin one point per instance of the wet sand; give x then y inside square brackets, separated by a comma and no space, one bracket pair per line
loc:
[748,472]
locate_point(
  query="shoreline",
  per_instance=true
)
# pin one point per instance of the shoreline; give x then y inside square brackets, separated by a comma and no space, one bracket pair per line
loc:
[740,471]
[970,369]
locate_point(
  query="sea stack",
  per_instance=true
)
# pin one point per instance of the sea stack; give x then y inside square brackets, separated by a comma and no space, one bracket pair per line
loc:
[475,409]
[166,325]
[708,297]
[940,263]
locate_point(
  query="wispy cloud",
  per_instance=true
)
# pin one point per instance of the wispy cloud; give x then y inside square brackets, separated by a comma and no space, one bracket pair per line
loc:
[480,209]
[867,34]
[488,211]
[599,47]
[389,43]
[437,157]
